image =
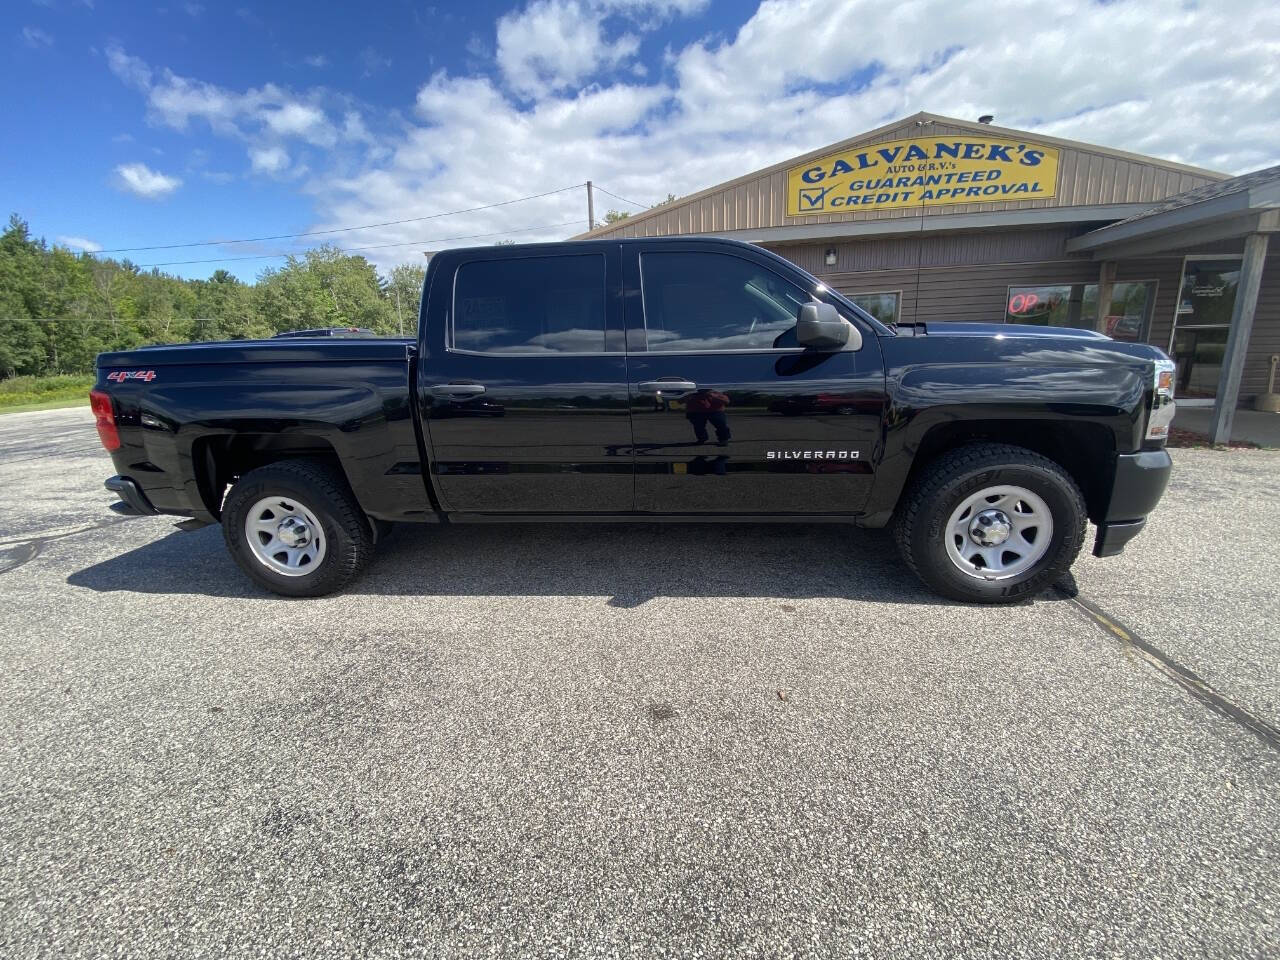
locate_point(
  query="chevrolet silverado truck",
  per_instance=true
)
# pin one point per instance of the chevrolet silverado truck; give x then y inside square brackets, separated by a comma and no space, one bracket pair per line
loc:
[659,380]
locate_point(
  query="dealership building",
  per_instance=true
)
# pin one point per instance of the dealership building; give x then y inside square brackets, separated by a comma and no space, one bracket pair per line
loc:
[933,219]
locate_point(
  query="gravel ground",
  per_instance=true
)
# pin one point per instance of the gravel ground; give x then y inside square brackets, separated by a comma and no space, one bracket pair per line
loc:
[627,741]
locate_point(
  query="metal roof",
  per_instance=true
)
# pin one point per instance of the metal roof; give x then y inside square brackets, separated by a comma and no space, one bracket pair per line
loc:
[1249,203]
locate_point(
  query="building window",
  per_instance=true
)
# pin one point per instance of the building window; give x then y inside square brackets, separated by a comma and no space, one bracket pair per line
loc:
[1076,305]
[882,306]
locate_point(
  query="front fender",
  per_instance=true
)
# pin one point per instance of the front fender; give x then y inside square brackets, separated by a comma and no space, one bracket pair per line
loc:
[988,398]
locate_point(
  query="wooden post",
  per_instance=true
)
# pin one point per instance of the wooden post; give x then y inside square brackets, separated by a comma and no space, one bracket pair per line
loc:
[1224,405]
[1106,288]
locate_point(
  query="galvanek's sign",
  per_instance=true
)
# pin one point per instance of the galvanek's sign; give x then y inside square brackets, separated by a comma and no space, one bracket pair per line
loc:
[926,171]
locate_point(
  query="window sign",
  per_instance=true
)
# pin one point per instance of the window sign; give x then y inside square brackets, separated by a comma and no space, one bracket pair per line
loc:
[1076,305]
[1208,292]
[1044,306]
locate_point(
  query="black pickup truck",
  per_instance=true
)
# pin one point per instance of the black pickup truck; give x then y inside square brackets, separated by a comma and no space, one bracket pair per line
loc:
[648,380]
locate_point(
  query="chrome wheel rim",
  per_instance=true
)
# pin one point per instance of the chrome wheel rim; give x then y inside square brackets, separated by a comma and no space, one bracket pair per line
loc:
[998,533]
[285,536]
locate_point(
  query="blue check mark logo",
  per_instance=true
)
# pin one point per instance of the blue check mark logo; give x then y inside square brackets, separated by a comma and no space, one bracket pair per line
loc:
[814,198]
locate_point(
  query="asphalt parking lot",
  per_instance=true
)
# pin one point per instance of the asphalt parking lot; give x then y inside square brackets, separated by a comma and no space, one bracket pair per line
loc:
[631,741]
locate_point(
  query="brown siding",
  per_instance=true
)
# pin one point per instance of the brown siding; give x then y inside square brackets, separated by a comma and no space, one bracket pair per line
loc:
[958,291]
[938,250]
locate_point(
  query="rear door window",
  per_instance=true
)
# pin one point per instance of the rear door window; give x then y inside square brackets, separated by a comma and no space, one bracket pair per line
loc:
[530,305]
[699,302]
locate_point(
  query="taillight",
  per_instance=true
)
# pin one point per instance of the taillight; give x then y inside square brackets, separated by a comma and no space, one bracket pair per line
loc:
[100,404]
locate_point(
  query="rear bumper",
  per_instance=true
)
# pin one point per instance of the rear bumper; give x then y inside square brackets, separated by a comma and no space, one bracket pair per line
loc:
[1140,481]
[128,491]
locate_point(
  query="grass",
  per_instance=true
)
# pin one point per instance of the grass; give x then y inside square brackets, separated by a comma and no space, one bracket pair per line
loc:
[43,393]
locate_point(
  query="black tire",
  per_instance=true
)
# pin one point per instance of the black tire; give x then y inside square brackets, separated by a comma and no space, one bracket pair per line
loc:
[324,492]
[942,487]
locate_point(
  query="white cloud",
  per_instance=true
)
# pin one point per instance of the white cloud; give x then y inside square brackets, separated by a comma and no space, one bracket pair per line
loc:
[269,159]
[36,38]
[551,45]
[1199,84]
[80,243]
[268,112]
[139,179]
[299,120]
[132,70]
[316,60]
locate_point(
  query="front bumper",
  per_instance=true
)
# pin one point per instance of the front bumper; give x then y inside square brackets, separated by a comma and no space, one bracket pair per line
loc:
[1139,483]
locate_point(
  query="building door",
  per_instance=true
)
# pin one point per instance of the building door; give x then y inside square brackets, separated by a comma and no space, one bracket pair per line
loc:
[730,415]
[1201,323]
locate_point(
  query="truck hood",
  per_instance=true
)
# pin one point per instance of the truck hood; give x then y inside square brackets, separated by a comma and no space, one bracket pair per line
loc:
[1002,330]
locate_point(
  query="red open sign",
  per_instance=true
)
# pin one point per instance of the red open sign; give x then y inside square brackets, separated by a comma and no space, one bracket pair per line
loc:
[1023,302]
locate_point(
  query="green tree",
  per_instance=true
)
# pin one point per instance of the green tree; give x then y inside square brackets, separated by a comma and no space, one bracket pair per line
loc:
[404,293]
[22,342]
[325,288]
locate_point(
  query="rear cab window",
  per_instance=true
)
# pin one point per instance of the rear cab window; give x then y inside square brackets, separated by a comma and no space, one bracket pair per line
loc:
[530,306]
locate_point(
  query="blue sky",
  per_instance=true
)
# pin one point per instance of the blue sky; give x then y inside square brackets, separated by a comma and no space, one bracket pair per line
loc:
[145,124]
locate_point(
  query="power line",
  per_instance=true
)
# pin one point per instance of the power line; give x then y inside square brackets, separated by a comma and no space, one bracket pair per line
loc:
[321,233]
[376,246]
[646,206]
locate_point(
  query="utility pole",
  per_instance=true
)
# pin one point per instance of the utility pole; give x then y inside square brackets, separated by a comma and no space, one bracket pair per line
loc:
[591,208]
[399,315]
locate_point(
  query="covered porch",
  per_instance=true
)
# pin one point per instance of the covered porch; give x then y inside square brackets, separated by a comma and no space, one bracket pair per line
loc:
[1225,333]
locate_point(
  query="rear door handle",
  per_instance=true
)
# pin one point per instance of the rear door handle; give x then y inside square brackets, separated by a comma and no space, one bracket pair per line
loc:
[456,389]
[668,386]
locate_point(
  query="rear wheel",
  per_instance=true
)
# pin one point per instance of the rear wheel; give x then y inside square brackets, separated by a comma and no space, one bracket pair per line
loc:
[295,528]
[991,523]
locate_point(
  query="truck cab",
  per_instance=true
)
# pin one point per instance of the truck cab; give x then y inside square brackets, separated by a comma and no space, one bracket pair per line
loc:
[616,378]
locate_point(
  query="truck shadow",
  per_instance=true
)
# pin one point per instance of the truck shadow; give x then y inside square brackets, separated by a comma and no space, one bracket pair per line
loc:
[630,563]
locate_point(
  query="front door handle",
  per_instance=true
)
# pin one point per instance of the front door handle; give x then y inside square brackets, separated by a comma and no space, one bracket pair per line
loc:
[667,386]
[456,389]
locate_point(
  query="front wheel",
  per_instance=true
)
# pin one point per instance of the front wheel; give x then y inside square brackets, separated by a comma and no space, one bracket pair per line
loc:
[296,529]
[991,523]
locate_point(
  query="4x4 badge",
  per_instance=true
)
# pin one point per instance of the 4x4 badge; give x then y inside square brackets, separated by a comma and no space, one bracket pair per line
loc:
[120,376]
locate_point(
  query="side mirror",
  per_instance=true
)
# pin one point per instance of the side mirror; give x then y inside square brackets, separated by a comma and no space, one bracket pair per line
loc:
[820,325]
